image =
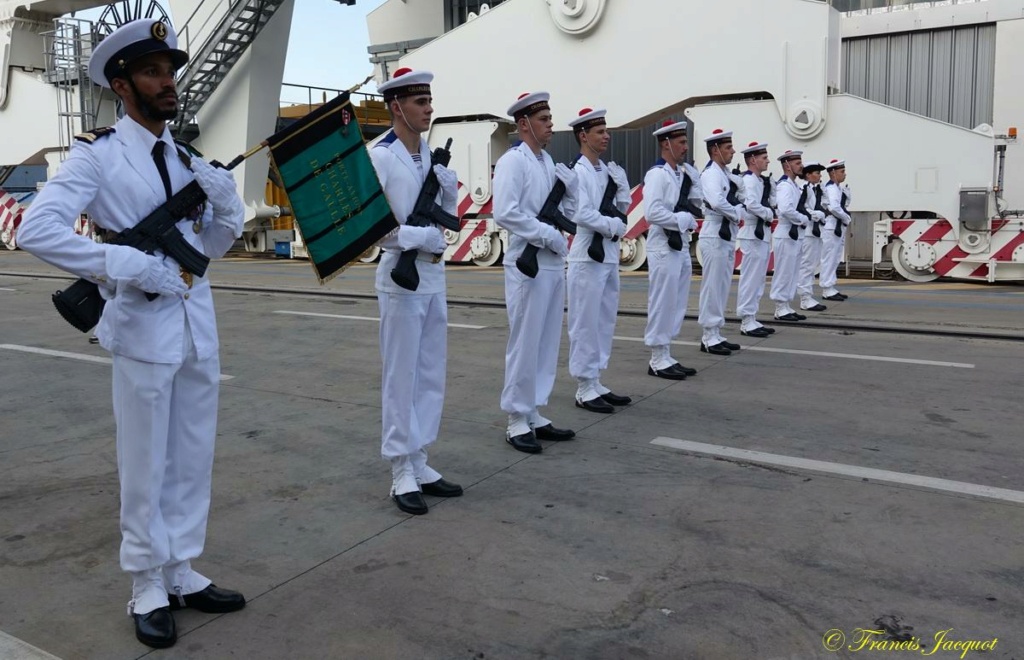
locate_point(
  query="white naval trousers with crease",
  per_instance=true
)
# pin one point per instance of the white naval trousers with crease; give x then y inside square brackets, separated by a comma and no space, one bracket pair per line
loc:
[831,255]
[535,307]
[753,270]
[669,272]
[413,350]
[787,265]
[810,260]
[593,305]
[165,481]
[719,258]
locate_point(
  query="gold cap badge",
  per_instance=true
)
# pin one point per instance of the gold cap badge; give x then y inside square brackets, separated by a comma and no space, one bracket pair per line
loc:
[159,31]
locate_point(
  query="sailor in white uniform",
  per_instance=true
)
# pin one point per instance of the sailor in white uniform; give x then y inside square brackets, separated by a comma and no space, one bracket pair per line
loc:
[166,367]
[593,279]
[669,267]
[837,226]
[413,324]
[755,239]
[810,247]
[787,237]
[723,213]
[523,178]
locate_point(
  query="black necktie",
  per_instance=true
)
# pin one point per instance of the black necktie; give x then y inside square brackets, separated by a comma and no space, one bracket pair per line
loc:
[161,166]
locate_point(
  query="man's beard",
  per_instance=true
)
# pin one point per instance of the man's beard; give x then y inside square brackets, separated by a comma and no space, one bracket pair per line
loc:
[151,110]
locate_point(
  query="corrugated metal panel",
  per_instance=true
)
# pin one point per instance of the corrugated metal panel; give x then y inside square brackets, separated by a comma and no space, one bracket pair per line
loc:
[946,74]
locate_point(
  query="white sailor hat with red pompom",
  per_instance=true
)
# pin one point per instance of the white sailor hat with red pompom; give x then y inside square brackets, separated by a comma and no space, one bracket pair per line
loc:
[406,82]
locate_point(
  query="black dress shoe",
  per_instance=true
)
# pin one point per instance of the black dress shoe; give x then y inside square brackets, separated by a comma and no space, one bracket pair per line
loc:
[616,400]
[524,442]
[597,404]
[689,371]
[212,600]
[758,333]
[792,316]
[837,298]
[817,308]
[800,317]
[549,432]
[156,628]
[670,373]
[441,488]
[731,346]
[716,349]
[411,503]
[770,330]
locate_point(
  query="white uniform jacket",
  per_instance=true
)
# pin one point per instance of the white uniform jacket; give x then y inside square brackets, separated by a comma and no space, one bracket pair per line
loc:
[714,183]
[589,222]
[403,179]
[662,186]
[788,193]
[753,192]
[522,182]
[835,195]
[115,180]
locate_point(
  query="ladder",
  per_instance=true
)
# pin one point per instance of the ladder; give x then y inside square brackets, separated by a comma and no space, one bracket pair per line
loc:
[210,65]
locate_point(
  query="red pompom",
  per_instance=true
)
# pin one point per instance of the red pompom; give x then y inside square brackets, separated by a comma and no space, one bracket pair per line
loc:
[401,72]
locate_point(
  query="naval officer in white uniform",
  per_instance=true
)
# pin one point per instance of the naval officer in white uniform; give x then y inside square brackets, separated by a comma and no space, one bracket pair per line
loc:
[837,226]
[166,368]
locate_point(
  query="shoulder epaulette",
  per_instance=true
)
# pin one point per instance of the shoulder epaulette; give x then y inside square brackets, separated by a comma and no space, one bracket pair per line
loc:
[95,134]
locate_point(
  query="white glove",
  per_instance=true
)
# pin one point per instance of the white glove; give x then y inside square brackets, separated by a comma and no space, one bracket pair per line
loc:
[569,178]
[686,221]
[449,183]
[618,175]
[219,186]
[618,229]
[554,240]
[818,216]
[417,238]
[437,243]
[135,268]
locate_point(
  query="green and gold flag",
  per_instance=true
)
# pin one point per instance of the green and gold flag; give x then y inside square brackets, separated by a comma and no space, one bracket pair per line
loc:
[336,199]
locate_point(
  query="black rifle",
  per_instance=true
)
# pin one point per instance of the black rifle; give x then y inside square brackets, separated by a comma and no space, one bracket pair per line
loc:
[81,303]
[675,238]
[815,225]
[839,223]
[766,197]
[725,228]
[801,207]
[607,208]
[425,213]
[549,215]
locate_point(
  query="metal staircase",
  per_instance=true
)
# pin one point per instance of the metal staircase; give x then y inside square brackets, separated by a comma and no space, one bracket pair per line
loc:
[207,68]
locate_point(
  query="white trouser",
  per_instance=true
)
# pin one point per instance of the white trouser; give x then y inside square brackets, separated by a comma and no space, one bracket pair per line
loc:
[753,270]
[787,262]
[166,417]
[413,352]
[669,273]
[810,260]
[719,259]
[831,255]
[535,308]
[593,304]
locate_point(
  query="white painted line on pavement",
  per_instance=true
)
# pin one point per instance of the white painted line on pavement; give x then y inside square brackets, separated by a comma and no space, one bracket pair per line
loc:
[375,319]
[845,356]
[3,288]
[872,474]
[81,357]
[12,648]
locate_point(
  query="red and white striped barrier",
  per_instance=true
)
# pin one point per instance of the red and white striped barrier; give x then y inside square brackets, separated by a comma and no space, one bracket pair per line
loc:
[10,217]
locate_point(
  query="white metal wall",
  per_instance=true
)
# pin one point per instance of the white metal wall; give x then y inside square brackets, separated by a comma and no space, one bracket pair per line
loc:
[946,74]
